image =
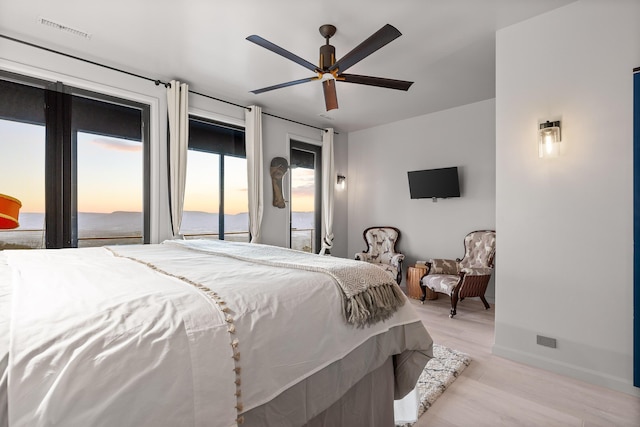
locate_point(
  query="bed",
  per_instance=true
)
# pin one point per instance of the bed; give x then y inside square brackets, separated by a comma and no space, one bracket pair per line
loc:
[202,333]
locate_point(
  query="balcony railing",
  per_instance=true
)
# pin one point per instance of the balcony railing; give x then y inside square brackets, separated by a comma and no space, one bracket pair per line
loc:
[302,239]
[22,239]
[232,236]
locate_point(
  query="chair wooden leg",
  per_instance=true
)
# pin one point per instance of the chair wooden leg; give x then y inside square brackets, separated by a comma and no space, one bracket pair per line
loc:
[454,304]
[484,301]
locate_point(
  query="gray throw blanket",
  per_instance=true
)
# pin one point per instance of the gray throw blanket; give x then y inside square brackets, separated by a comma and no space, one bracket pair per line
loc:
[370,295]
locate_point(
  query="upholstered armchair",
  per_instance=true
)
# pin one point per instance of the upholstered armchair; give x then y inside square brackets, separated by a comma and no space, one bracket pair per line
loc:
[381,250]
[466,277]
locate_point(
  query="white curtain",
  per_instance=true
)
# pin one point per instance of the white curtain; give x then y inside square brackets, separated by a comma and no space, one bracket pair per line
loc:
[328,185]
[178,113]
[253,138]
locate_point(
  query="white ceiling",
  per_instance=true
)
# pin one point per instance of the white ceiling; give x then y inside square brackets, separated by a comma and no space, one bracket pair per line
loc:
[447,48]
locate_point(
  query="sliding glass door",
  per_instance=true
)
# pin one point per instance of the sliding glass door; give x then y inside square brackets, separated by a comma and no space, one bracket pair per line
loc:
[79,163]
[110,172]
[305,194]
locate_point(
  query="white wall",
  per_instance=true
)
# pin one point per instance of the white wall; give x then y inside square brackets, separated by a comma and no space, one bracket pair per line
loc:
[26,60]
[340,206]
[380,157]
[565,232]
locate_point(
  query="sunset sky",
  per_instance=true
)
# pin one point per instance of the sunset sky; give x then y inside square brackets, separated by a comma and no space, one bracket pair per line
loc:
[103,187]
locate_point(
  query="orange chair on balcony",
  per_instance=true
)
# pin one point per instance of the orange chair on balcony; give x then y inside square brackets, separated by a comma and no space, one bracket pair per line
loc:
[9,208]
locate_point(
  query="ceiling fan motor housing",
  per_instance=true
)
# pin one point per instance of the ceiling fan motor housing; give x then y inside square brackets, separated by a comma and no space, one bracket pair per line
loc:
[327,56]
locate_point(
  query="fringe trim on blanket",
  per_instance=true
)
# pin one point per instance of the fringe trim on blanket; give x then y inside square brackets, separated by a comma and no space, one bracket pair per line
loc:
[222,306]
[373,305]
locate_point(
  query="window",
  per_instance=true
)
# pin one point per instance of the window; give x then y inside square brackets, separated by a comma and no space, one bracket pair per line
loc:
[216,200]
[306,188]
[22,176]
[236,203]
[109,204]
[109,172]
[78,162]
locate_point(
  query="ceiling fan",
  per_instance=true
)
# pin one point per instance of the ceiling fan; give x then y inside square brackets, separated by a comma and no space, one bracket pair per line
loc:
[329,70]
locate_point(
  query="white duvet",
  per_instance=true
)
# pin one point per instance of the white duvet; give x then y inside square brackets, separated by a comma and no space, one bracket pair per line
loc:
[103,340]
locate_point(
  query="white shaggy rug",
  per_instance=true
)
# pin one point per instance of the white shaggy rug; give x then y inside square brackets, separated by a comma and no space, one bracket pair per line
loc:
[440,372]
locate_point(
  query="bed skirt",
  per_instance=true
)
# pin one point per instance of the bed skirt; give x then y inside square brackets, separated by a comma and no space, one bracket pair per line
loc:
[367,379]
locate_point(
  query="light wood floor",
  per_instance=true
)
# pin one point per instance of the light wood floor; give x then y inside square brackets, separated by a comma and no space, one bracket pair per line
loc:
[494,391]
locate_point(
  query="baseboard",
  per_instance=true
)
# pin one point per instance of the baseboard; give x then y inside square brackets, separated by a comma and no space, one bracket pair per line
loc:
[562,368]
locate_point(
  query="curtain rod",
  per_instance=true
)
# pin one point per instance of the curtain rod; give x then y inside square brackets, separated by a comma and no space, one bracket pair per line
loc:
[249,108]
[156,81]
[217,99]
[300,123]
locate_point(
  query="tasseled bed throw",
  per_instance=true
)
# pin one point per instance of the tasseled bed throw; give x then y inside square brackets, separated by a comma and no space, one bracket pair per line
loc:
[370,295]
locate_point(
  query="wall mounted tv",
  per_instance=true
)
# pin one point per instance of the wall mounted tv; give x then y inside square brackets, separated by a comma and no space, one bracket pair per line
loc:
[434,183]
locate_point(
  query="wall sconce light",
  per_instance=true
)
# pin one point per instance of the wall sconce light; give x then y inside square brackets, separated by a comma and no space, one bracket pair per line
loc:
[549,139]
[9,208]
[341,181]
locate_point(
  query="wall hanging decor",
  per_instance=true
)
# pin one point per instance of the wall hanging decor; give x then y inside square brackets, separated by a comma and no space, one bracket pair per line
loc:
[279,167]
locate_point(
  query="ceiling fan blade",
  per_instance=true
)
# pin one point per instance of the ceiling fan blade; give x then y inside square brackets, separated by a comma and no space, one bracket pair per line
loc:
[330,96]
[375,81]
[278,86]
[282,52]
[380,38]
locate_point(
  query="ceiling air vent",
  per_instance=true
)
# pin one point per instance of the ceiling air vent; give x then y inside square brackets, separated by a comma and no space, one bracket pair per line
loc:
[326,116]
[64,28]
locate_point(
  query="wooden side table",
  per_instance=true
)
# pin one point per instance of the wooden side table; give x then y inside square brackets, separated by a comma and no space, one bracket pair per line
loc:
[414,274]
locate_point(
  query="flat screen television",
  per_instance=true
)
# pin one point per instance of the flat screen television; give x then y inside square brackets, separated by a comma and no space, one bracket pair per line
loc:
[434,183]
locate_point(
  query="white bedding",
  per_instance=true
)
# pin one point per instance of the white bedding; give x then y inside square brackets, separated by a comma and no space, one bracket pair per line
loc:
[102,340]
